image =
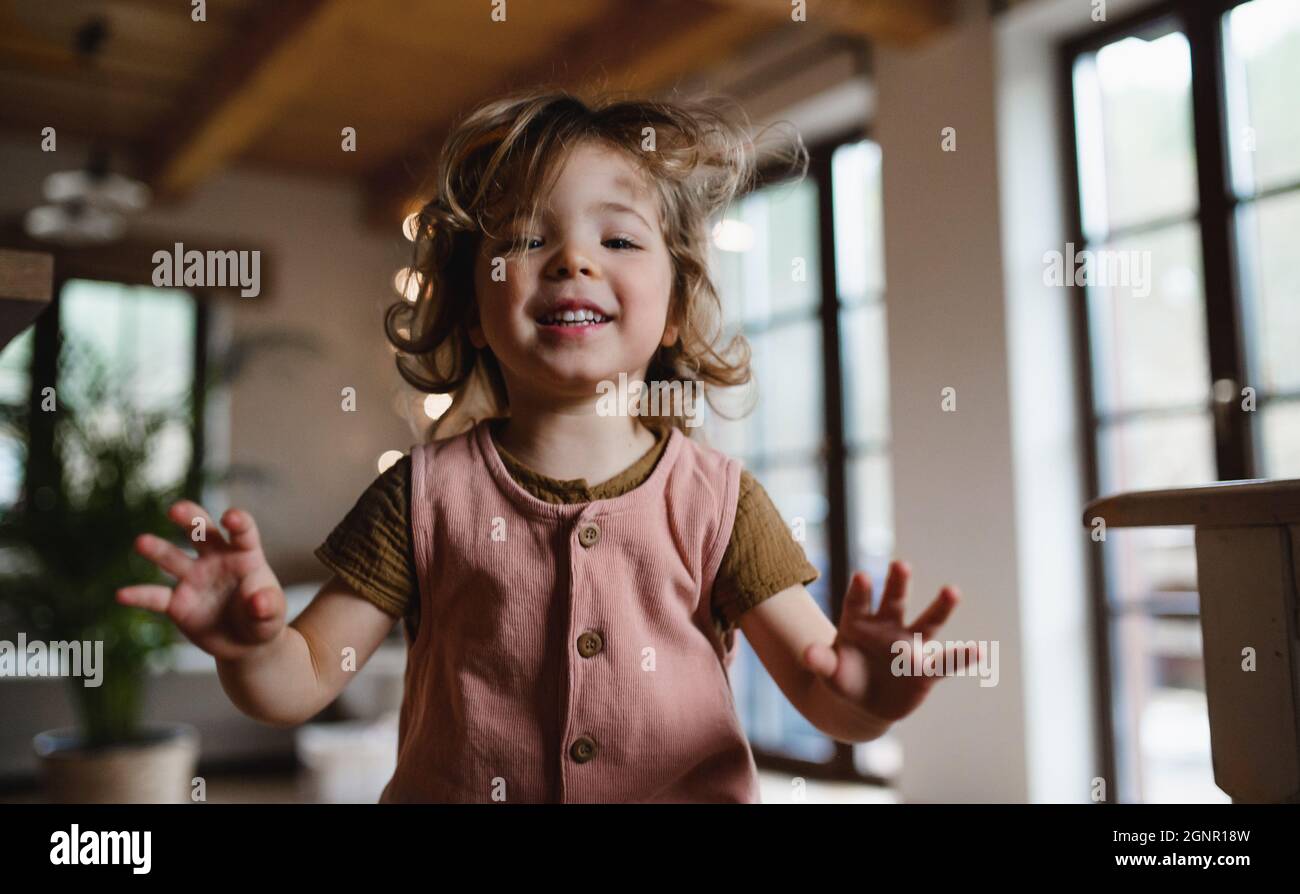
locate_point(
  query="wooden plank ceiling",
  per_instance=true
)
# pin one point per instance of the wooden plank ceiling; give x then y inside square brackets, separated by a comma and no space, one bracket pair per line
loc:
[273,83]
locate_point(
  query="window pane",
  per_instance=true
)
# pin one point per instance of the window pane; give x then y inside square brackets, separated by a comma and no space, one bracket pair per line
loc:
[866,374]
[727,266]
[735,435]
[1146,454]
[1158,452]
[1149,337]
[788,371]
[871,515]
[144,332]
[766,253]
[792,256]
[799,493]
[1134,123]
[1281,428]
[15,386]
[1263,69]
[16,368]
[1271,264]
[1146,564]
[145,336]
[1164,711]
[859,218]
[11,469]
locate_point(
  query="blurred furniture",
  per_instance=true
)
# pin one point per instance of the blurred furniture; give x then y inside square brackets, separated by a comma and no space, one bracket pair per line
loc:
[1248,571]
[26,283]
[190,690]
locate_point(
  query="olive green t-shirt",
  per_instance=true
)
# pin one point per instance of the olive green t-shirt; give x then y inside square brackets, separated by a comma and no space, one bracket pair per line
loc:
[371,548]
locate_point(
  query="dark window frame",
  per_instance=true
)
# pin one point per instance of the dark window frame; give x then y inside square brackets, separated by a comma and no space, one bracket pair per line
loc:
[1237,446]
[835,451]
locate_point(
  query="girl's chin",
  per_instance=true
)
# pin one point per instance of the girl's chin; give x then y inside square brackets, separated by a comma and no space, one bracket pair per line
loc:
[564,385]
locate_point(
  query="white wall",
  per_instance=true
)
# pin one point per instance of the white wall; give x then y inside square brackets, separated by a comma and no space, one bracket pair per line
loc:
[1055,623]
[954,498]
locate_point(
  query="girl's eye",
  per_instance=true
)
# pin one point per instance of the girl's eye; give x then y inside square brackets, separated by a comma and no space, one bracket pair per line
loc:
[525,243]
[622,243]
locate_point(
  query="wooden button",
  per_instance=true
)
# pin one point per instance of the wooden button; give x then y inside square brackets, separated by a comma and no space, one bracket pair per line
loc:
[589,644]
[589,535]
[583,749]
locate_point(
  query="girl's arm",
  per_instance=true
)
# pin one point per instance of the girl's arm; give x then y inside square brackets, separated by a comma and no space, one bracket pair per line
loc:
[841,679]
[229,603]
[291,678]
[780,629]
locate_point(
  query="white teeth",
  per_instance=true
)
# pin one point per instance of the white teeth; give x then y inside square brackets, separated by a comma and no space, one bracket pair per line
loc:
[574,318]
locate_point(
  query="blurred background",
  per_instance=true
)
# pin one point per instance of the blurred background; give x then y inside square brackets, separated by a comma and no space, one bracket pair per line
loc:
[954,143]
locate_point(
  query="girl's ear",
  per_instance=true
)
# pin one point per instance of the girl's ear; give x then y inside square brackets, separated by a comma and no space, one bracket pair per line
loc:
[671,329]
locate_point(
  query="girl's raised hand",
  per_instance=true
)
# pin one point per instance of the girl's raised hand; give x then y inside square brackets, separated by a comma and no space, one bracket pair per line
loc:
[858,666]
[227,600]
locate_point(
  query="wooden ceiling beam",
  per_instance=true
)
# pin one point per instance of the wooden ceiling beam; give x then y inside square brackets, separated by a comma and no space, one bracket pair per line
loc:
[268,70]
[902,22]
[633,47]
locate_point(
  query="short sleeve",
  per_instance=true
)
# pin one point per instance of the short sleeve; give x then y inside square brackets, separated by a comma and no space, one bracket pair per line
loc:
[761,559]
[371,547]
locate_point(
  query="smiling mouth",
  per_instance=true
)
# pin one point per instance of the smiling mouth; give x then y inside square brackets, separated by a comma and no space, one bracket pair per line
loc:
[573,318]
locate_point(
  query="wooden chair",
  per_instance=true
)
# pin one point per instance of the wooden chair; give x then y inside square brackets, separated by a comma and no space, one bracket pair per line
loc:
[1248,572]
[26,280]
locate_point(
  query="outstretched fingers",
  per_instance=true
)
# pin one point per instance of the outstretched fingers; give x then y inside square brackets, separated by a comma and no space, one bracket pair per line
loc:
[199,527]
[937,613]
[167,556]
[857,602]
[151,596]
[891,602]
[243,530]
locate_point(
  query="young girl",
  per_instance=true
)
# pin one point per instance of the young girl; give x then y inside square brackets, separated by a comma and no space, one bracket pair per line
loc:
[567,641]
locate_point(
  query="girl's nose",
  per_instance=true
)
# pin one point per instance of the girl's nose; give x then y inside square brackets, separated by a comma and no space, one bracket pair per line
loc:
[571,261]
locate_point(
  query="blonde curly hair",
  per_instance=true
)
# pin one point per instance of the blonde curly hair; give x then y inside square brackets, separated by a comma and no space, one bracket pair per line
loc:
[500,159]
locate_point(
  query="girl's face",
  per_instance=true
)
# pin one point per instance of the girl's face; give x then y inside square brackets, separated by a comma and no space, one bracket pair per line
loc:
[597,253]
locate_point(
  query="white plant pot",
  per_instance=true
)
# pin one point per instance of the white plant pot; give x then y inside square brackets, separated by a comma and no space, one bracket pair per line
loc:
[158,769]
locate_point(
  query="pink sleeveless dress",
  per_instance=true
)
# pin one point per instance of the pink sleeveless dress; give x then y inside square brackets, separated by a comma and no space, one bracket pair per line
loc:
[567,653]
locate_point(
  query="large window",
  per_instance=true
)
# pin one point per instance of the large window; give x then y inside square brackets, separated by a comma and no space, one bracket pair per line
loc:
[800,267]
[148,337]
[1187,161]
[15,390]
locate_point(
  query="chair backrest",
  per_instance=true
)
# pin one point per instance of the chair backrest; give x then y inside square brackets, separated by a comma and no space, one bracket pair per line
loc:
[1248,576]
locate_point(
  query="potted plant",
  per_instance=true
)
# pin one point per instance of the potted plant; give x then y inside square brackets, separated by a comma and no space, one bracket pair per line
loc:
[67,547]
